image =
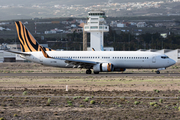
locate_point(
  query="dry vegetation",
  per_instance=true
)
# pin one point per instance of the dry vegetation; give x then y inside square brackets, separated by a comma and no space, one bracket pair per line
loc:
[88,97]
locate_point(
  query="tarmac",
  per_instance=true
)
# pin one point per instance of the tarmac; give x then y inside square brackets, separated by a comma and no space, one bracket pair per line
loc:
[84,75]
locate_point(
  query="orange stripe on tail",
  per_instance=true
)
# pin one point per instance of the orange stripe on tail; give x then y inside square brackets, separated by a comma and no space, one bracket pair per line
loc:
[44,53]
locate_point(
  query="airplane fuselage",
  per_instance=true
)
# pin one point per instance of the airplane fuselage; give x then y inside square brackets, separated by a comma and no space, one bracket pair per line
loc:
[120,59]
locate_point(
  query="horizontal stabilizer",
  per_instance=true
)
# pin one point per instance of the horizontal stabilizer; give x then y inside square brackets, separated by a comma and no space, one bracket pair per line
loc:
[16,52]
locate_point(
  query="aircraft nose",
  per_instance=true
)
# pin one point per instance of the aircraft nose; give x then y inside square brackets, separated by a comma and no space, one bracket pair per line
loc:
[172,62]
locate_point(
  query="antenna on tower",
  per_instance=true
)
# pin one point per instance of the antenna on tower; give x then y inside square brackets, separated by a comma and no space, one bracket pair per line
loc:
[35,26]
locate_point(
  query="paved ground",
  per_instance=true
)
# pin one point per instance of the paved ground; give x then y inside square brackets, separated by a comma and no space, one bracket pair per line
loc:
[83,74]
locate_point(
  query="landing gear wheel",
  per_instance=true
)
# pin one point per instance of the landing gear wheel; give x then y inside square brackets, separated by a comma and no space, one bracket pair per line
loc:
[96,72]
[158,72]
[88,71]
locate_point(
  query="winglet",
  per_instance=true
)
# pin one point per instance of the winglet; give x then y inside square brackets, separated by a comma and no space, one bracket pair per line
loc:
[93,49]
[44,53]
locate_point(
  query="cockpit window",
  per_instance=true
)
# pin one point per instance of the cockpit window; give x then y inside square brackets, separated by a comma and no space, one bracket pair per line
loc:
[164,57]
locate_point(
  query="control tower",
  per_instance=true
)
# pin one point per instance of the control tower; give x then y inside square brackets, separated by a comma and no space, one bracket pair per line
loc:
[96,25]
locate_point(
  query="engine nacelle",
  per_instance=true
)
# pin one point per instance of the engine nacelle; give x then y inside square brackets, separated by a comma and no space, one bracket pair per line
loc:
[103,67]
[120,69]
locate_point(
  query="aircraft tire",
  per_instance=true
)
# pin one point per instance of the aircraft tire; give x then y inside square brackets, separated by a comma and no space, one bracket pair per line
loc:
[157,72]
[88,71]
[96,72]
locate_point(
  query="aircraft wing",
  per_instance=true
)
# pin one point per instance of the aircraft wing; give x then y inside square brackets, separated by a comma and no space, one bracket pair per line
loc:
[16,52]
[79,63]
[69,61]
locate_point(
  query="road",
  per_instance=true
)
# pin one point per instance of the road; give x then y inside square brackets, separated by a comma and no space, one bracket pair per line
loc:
[84,75]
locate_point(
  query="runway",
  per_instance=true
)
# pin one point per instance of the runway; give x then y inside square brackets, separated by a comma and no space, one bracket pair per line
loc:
[85,75]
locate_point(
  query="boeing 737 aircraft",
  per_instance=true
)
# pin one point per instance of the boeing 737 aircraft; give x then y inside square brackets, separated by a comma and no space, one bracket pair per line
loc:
[98,61]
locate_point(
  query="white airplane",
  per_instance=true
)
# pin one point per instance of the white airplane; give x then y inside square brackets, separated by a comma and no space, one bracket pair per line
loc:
[99,61]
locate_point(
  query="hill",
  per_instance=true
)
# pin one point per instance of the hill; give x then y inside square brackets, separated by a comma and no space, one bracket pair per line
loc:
[67,2]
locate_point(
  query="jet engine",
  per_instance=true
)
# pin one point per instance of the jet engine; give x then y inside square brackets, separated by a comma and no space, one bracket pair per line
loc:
[103,67]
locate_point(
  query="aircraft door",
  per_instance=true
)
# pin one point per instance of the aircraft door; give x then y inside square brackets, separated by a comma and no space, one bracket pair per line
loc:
[41,59]
[153,59]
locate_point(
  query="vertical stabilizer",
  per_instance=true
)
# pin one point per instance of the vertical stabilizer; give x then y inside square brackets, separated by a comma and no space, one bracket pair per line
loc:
[27,41]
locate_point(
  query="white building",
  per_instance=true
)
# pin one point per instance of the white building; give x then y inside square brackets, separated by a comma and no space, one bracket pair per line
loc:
[133,23]
[96,25]
[141,24]
[113,24]
[121,25]
[1,28]
[73,25]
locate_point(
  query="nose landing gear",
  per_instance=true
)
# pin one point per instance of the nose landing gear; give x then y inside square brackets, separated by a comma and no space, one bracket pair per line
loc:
[157,72]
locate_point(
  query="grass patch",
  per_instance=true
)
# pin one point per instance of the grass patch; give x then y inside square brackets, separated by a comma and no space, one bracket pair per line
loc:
[136,102]
[69,103]
[86,99]
[161,101]
[119,105]
[81,106]
[25,93]
[157,91]
[92,102]
[153,103]
[48,102]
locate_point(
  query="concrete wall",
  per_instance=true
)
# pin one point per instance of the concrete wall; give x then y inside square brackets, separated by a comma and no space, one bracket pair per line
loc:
[105,49]
[96,40]
[173,54]
[1,56]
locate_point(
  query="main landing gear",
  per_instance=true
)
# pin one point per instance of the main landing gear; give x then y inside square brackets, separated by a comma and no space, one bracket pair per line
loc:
[88,71]
[96,72]
[157,72]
